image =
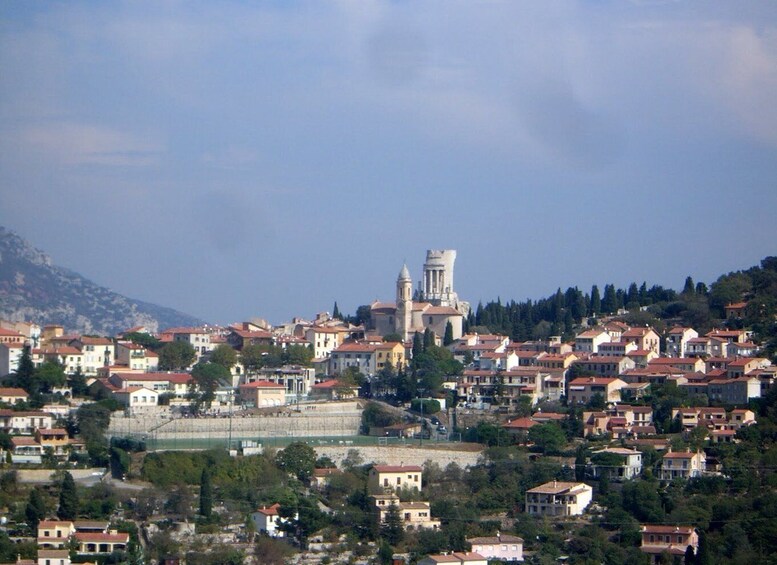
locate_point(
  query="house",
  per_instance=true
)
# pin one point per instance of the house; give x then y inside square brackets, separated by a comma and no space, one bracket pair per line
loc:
[736,391]
[26,449]
[414,515]
[136,357]
[136,397]
[10,395]
[320,477]
[54,534]
[366,357]
[198,338]
[558,498]
[684,364]
[677,340]
[582,389]
[675,540]
[98,543]
[333,389]
[743,366]
[325,339]
[24,422]
[605,366]
[97,352]
[616,463]
[176,384]
[298,380]
[267,520]
[70,358]
[262,394]
[682,465]
[590,340]
[645,338]
[465,558]
[53,440]
[11,336]
[501,547]
[239,338]
[384,478]
[519,428]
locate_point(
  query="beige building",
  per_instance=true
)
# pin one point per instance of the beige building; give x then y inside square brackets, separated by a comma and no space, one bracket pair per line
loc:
[136,357]
[590,340]
[367,357]
[582,389]
[438,305]
[384,478]
[682,465]
[674,540]
[677,340]
[97,352]
[558,499]
[262,394]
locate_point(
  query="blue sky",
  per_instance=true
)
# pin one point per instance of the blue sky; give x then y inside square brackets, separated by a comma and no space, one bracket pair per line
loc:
[236,159]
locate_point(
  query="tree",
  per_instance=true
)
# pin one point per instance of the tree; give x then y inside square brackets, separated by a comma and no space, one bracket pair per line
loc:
[448,338]
[298,458]
[549,438]
[35,511]
[689,287]
[223,355]
[206,494]
[68,499]
[336,312]
[50,375]
[176,356]
[207,378]
[392,529]
[252,357]
[77,383]
[596,301]
[429,338]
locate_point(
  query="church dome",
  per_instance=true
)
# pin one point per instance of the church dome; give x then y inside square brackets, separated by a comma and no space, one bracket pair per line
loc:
[404,274]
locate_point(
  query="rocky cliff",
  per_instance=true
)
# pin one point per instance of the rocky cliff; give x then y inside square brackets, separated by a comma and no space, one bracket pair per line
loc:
[33,289]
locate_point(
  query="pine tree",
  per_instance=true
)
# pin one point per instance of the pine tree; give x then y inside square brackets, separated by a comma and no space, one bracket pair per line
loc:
[68,499]
[206,494]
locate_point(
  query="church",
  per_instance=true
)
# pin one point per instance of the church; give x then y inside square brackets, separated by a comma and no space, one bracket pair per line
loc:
[433,306]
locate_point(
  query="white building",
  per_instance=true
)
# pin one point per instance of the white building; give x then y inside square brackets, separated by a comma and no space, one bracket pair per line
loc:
[558,499]
[502,547]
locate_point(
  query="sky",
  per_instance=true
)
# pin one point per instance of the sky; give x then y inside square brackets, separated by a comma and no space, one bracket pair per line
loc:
[236,160]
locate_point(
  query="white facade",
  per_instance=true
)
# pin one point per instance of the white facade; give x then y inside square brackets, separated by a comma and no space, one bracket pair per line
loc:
[558,499]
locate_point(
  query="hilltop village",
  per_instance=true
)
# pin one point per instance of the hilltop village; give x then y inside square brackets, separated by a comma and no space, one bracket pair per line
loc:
[634,427]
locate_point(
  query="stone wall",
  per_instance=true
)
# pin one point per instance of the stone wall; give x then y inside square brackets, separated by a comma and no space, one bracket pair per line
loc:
[402,455]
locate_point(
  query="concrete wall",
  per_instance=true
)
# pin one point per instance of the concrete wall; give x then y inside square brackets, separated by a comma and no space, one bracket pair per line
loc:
[313,420]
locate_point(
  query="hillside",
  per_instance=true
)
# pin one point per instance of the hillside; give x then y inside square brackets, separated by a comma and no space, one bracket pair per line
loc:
[33,288]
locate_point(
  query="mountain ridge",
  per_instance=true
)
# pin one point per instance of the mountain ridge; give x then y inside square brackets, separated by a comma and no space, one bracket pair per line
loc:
[33,288]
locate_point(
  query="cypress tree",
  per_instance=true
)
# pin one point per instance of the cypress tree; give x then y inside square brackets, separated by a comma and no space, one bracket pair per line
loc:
[596,301]
[206,494]
[448,338]
[68,499]
[35,510]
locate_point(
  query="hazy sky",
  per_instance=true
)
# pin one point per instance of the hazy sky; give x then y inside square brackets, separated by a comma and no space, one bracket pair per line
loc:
[264,159]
